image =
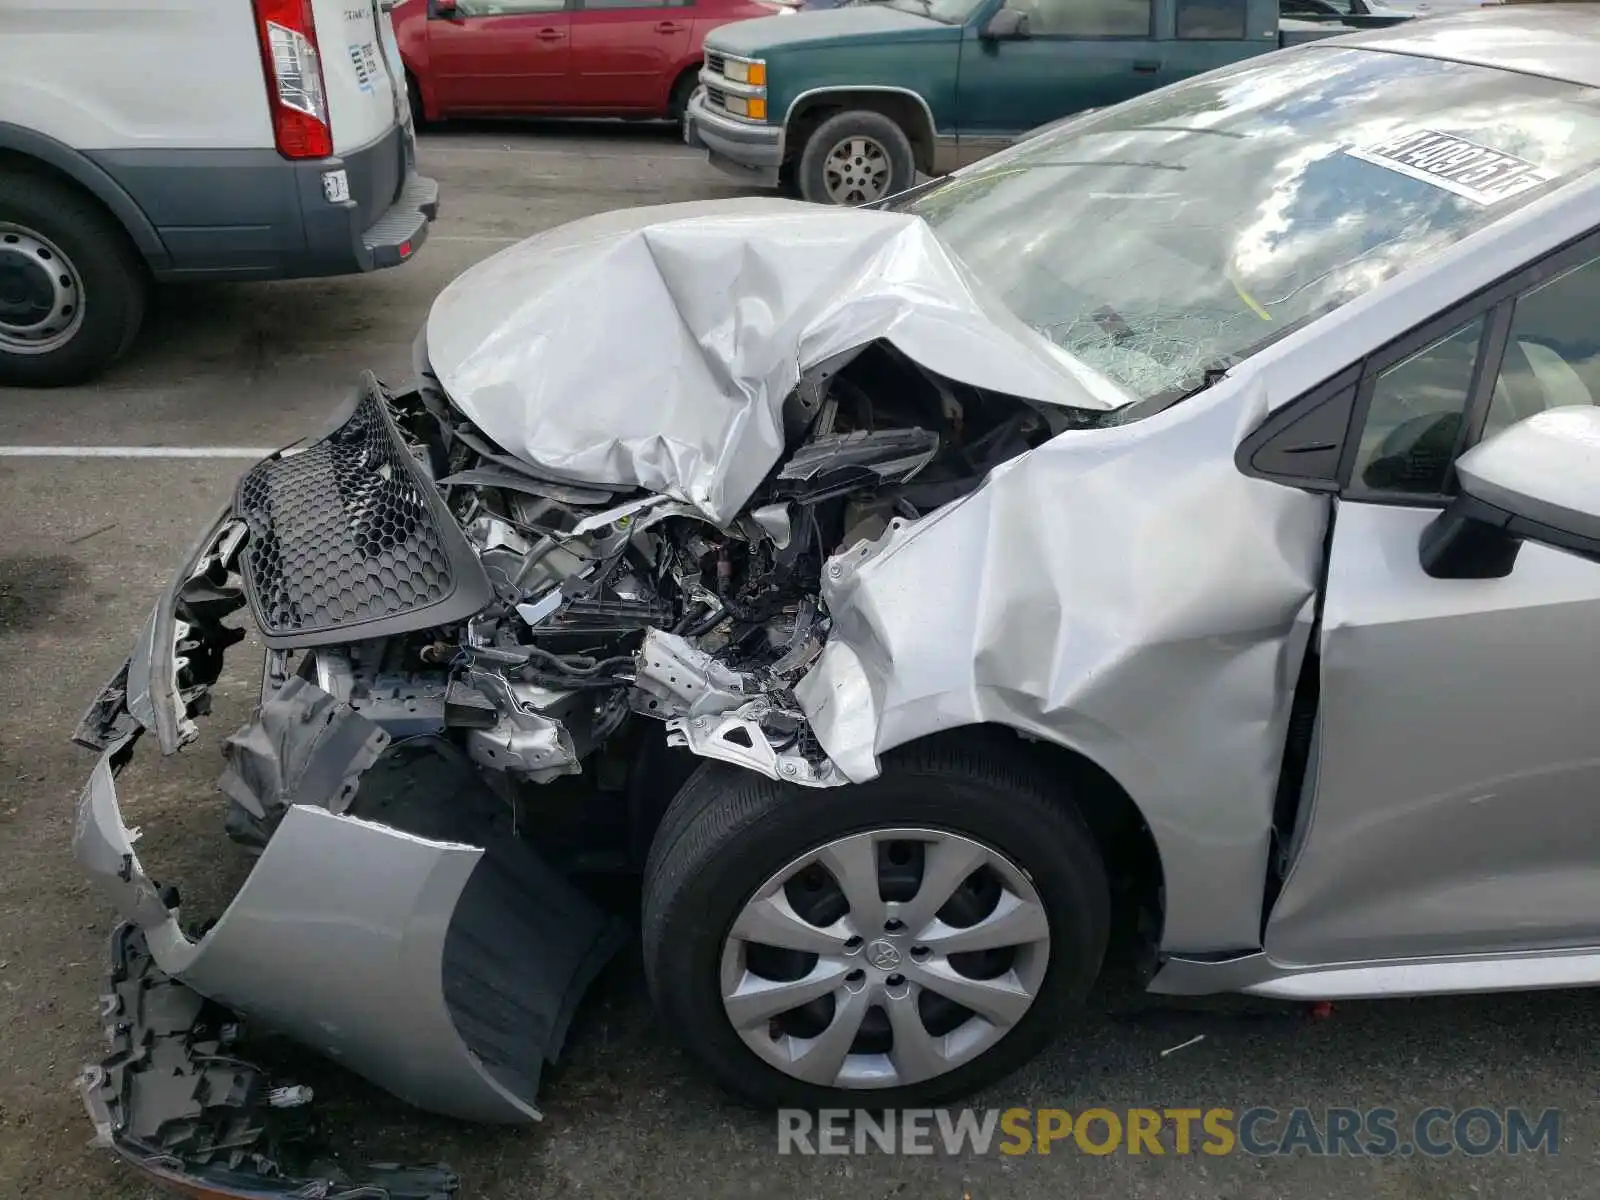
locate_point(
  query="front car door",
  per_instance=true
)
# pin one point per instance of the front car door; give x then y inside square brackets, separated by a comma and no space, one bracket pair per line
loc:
[1081,54]
[500,56]
[1207,34]
[625,53]
[1078,54]
[1455,769]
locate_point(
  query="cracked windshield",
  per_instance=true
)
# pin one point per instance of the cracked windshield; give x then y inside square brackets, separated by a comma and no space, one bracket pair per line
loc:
[1177,235]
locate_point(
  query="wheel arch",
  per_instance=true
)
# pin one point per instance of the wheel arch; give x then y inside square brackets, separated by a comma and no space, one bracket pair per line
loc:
[27,149]
[690,71]
[1127,845]
[903,106]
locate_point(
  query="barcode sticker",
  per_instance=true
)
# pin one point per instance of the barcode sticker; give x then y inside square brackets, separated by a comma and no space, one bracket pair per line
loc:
[1478,173]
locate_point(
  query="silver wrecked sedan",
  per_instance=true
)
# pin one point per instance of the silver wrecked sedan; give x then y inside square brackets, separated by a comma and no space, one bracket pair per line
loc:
[1195,509]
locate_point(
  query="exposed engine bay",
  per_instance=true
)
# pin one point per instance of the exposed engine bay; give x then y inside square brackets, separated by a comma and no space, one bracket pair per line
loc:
[605,606]
[449,633]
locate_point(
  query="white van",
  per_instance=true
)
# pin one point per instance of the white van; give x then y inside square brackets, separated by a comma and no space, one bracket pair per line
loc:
[190,139]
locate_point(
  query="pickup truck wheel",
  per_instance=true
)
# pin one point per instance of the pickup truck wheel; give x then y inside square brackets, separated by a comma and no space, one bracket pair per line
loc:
[904,941]
[72,286]
[855,158]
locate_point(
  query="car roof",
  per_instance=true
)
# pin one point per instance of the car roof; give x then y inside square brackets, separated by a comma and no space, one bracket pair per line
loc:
[1558,40]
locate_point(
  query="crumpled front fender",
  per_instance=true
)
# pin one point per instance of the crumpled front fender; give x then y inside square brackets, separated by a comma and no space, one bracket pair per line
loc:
[1126,593]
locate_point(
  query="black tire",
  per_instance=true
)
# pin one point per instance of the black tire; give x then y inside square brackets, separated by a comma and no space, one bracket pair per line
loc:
[682,90]
[789,179]
[115,282]
[856,123]
[419,119]
[729,830]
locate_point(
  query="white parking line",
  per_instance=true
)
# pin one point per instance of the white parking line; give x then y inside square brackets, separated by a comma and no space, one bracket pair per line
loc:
[132,452]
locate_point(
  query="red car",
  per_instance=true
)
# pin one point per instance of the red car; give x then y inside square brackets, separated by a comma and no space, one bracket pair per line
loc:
[592,58]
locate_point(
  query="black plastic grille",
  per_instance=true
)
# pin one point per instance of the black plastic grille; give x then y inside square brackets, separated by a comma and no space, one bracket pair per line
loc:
[348,533]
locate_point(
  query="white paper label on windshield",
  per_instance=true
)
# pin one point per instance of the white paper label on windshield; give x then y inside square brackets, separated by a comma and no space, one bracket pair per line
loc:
[1465,168]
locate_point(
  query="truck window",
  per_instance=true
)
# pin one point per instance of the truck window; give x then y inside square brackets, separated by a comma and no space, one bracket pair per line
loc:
[1088,18]
[1212,19]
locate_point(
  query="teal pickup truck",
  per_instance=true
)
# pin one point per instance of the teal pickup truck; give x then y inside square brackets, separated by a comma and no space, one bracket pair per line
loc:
[847,104]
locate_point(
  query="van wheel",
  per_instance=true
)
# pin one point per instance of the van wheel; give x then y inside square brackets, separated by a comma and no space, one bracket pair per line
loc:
[72,286]
[855,158]
[905,941]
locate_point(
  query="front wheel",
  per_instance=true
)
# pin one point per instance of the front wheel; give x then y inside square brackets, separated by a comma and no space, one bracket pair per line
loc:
[901,942]
[854,158]
[682,92]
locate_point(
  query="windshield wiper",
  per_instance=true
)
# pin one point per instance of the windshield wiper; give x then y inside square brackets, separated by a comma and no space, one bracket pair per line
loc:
[1227,133]
[1211,374]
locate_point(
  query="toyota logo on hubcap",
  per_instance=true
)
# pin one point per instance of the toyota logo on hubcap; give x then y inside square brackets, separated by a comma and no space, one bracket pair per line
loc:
[883,956]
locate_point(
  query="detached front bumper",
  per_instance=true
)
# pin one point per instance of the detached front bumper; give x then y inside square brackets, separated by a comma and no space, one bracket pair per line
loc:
[393,921]
[753,153]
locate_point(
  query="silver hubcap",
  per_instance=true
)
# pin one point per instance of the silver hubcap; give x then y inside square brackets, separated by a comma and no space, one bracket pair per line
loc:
[41,293]
[856,171]
[885,958]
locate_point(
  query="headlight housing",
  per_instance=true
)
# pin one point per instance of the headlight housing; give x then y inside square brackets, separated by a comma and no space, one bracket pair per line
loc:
[734,85]
[752,108]
[753,72]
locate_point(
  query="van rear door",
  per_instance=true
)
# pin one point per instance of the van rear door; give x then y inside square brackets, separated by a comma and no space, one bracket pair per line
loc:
[366,96]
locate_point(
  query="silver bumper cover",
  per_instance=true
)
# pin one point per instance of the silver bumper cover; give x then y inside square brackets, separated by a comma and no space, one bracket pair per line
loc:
[393,921]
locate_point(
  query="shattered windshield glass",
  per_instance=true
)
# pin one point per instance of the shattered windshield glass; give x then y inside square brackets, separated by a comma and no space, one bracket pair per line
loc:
[1175,235]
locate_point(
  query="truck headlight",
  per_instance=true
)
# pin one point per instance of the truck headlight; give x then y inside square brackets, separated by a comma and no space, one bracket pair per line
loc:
[753,73]
[753,108]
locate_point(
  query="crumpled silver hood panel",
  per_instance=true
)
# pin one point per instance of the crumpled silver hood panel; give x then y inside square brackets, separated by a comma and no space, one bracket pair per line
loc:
[655,347]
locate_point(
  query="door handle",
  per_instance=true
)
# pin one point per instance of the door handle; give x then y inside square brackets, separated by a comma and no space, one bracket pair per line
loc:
[670,27]
[1146,68]
[550,35]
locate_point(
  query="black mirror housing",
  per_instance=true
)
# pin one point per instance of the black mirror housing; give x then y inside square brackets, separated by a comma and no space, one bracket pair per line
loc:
[1537,481]
[1468,540]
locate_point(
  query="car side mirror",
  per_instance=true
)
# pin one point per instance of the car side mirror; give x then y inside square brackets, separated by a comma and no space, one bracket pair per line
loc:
[1007,25]
[445,10]
[1538,480]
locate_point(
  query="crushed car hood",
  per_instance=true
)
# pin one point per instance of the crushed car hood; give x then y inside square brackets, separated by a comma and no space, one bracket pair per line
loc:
[655,347]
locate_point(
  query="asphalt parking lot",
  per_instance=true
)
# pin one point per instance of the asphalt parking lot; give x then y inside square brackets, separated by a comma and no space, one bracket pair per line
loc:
[86,541]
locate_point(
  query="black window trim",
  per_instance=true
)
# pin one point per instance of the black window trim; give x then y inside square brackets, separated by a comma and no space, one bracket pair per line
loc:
[1496,303]
[567,6]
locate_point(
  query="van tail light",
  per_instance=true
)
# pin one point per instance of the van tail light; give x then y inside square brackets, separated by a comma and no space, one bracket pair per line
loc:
[293,68]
